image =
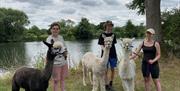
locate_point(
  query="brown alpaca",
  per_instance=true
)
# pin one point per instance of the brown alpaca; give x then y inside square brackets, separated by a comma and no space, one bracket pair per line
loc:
[33,79]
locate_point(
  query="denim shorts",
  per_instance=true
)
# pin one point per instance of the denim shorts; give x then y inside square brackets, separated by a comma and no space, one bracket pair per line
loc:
[112,63]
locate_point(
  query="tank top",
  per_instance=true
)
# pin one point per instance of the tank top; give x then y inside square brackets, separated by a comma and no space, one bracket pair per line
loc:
[149,52]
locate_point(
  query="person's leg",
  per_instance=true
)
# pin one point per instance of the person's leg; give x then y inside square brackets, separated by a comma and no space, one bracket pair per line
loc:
[147,83]
[55,85]
[112,76]
[106,80]
[113,63]
[157,84]
[107,77]
[155,75]
[55,78]
[63,74]
[146,74]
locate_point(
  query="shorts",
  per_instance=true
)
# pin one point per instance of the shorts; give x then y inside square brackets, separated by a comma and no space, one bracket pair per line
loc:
[59,72]
[150,69]
[112,62]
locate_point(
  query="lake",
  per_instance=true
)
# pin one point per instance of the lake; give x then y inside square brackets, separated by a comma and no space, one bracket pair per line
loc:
[26,53]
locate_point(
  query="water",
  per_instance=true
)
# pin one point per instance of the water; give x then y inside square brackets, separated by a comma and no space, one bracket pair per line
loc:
[19,54]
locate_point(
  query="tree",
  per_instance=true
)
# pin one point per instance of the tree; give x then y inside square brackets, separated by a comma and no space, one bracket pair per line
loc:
[152,10]
[12,24]
[171,31]
[83,30]
[130,30]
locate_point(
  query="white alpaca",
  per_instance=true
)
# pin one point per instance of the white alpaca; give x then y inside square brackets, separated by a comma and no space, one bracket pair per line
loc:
[96,65]
[127,66]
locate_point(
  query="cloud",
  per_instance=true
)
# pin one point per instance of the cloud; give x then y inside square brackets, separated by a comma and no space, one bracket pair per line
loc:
[68,11]
[44,12]
[166,4]
[110,2]
[91,3]
[37,2]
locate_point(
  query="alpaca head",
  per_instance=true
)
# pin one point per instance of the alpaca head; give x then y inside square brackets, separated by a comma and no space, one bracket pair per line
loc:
[127,43]
[54,49]
[108,41]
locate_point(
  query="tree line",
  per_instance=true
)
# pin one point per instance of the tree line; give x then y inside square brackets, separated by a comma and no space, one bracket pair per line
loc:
[13,28]
[13,22]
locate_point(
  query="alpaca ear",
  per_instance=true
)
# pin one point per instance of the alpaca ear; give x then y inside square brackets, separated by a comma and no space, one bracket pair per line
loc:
[47,44]
[52,41]
[112,36]
[133,39]
[121,43]
[121,39]
[104,36]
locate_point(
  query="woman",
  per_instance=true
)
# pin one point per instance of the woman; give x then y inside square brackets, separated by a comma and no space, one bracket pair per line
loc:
[108,26]
[60,67]
[150,65]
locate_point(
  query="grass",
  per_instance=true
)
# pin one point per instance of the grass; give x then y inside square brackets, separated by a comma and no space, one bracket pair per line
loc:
[169,76]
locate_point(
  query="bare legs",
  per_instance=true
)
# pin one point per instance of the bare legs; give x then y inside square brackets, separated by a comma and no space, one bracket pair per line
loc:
[157,84]
[148,84]
[60,77]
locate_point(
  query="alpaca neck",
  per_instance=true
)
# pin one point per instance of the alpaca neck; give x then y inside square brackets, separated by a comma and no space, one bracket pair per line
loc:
[105,57]
[48,69]
[125,53]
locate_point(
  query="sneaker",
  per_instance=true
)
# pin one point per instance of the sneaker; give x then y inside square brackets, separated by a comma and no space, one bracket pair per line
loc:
[110,83]
[107,87]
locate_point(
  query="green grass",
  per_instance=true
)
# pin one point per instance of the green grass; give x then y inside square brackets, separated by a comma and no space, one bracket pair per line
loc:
[169,76]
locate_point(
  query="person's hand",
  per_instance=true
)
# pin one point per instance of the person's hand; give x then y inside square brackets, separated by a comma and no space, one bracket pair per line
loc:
[151,61]
[132,56]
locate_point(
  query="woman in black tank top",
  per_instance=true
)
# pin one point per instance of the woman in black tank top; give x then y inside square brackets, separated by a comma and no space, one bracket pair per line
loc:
[150,65]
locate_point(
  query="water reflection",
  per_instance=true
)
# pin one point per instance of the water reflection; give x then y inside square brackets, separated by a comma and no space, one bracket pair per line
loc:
[14,54]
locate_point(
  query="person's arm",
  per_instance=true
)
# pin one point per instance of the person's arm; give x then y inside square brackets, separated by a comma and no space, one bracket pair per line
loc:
[158,53]
[102,47]
[136,53]
[101,42]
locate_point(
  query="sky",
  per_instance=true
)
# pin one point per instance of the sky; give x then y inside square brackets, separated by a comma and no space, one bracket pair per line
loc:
[43,12]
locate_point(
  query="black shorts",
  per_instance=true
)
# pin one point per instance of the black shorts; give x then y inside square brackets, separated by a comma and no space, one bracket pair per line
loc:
[152,69]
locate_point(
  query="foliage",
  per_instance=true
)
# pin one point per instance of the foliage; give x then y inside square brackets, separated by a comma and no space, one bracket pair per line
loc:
[13,21]
[130,30]
[34,33]
[139,5]
[169,79]
[12,24]
[67,29]
[39,62]
[83,30]
[171,30]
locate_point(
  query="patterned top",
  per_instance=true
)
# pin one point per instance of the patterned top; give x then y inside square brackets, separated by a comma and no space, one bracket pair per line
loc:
[59,59]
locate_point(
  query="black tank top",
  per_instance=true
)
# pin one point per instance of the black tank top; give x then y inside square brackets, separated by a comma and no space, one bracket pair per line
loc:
[149,52]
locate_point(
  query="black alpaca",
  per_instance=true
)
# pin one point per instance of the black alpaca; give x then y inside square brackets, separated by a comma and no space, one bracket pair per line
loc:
[33,79]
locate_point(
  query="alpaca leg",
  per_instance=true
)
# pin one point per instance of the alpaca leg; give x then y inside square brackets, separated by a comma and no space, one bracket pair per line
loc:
[102,83]
[131,85]
[95,83]
[15,87]
[90,77]
[125,85]
[84,75]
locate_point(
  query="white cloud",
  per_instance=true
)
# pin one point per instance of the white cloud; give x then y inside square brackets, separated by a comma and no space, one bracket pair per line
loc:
[44,12]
